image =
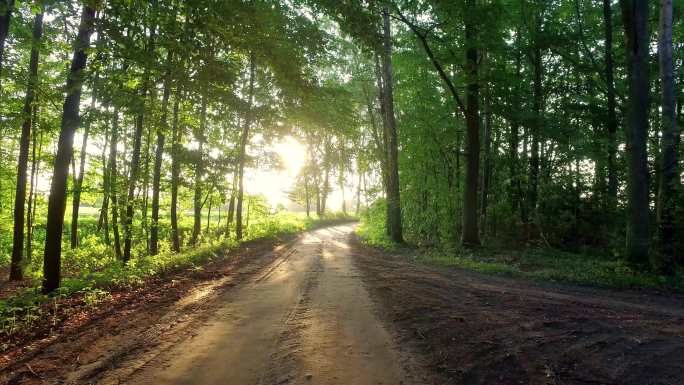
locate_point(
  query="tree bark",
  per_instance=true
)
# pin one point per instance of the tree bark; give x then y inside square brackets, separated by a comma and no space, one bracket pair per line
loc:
[308,196]
[159,154]
[35,166]
[487,161]
[16,268]
[611,118]
[231,203]
[470,233]
[113,180]
[103,220]
[393,194]
[670,174]
[70,121]
[635,19]
[243,147]
[199,172]
[6,9]
[175,175]
[537,70]
[135,155]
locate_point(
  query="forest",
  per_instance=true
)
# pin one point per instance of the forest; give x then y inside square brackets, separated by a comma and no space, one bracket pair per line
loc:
[143,139]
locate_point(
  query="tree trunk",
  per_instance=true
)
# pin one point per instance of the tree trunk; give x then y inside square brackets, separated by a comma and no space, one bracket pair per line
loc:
[611,119]
[341,183]
[70,121]
[670,174]
[487,166]
[35,166]
[16,268]
[159,155]
[393,194]
[308,197]
[358,194]
[199,172]
[78,183]
[135,157]
[209,214]
[113,180]
[635,19]
[231,203]
[146,183]
[6,8]
[175,175]
[471,236]
[537,70]
[243,147]
[105,185]
[326,178]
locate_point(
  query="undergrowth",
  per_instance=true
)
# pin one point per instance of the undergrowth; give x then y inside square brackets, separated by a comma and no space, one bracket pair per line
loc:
[536,263]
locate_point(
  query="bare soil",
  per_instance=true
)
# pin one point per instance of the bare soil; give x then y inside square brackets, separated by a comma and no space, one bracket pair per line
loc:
[323,309]
[480,329]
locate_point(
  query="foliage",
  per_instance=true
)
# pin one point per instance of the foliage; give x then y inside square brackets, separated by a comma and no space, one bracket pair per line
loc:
[536,263]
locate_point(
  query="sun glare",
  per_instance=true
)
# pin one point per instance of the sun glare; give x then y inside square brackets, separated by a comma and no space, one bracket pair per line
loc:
[274,184]
[292,154]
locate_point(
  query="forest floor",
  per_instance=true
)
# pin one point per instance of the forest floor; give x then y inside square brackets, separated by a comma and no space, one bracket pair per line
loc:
[324,309]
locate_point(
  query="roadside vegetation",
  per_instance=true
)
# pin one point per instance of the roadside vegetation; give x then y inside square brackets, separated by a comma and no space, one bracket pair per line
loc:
[531,261]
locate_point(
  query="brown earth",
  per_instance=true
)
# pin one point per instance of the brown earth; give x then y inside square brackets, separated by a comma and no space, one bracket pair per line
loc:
[480,329]
[323,309]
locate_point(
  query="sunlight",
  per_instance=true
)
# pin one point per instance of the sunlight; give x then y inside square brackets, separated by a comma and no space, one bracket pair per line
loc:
[292,154]
[274,184]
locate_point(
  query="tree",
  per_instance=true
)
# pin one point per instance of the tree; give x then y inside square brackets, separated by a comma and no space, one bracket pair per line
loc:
[175,173]
[635,19]
[6,8]
[244,138]
[668,192]
[471,236]
[393,198]
[70,121]
[611,118]
[20,194]
[162,128]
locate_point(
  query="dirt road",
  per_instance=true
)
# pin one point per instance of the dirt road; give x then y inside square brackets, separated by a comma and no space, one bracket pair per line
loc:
[306,318]
[324,310]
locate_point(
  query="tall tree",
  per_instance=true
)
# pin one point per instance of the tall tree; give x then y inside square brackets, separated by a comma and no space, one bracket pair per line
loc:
[199,171]
[244,139]
[162,128]
[137,144]
[611,118]
[6,9]
[670,173]
[471,235]
[635,19]
[175,172]
[70,119]
[113,182]
[24,143]
[393,198]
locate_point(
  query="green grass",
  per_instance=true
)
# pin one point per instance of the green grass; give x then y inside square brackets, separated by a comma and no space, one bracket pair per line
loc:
[93,271]
[554,265]
[531,263]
